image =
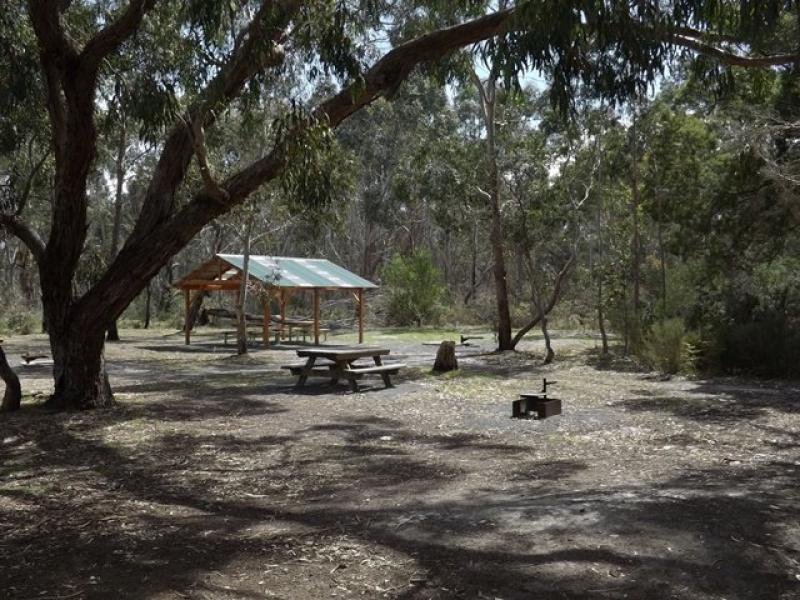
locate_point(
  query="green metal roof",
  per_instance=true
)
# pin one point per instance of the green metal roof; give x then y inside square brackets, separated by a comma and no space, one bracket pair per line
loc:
[284,271]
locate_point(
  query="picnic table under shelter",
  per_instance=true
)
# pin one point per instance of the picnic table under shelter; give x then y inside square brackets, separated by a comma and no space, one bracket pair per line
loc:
[281,276]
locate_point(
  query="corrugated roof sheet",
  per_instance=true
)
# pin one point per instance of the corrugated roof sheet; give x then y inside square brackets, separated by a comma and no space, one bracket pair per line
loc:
[285,271]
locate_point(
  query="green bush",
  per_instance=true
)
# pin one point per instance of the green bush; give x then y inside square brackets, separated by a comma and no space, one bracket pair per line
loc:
[768,347]
[668,348]
[20,321]
[413,288]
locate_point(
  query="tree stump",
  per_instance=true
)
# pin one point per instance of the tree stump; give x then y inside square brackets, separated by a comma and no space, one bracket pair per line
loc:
[13,393]
[446,358]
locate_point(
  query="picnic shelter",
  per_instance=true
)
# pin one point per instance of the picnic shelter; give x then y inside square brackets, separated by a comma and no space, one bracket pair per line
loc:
[281,276]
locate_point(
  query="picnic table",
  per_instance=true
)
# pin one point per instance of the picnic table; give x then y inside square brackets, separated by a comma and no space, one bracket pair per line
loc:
[337,363]
[286,326]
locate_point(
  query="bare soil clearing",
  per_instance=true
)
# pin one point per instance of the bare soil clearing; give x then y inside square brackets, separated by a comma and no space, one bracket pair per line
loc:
[215,478]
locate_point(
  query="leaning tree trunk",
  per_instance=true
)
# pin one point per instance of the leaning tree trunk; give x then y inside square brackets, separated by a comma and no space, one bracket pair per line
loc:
[542,316]
[549,353]
[195,306]
[12,397]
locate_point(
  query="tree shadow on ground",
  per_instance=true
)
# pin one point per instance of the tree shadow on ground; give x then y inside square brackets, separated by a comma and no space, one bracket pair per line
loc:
[614,360]
[165,520]
[716,402]
[357,432]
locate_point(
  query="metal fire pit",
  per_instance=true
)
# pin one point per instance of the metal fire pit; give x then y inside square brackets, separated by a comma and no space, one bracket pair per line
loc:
[539,404]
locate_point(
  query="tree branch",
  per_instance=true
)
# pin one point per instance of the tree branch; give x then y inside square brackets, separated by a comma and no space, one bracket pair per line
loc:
[108,39]
[45,17]
[247,60]
[26,190]
[212,187]
[379,81]
[55,50]
[25,233]
[729,58]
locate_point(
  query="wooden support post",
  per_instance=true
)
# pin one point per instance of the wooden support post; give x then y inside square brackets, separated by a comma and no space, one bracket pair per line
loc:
[361,315]
[187,327]
[283,314]
[316,316]
[267,319]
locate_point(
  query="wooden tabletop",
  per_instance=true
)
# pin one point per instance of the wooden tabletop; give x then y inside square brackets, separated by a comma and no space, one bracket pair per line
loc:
[292,322]
[342,353]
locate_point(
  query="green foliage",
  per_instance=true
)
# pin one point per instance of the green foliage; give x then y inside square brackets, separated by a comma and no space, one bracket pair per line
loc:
[668,348]
[414,289]
[754,321]
[315,174]
[20,321]
[767,347]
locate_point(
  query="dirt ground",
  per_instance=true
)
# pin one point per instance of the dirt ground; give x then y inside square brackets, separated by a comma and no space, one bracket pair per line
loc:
[216,478]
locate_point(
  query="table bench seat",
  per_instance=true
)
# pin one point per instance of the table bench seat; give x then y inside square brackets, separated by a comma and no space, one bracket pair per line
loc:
[355,372]
[322,368]
[391,369]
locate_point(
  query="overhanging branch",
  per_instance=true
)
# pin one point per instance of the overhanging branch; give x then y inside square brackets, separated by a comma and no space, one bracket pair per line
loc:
[25,233]
[161,231]
[730,58]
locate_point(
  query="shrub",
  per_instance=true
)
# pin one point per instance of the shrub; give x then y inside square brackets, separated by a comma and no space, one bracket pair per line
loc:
[668,348]
[768,347]
[130,324]
[20,321]
[413,289]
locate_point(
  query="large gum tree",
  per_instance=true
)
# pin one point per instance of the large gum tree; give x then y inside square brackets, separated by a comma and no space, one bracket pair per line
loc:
[190,61]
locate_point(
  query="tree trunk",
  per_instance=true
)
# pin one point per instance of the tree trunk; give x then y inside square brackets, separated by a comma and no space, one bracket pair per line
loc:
[549,353]
[473,273]
[195,306]
[119,164]
[542,316]
[445,358]
[241,298]
[148,298]
[13,394]
[79,370]
[26,284]
[635,241]
[488,98]
[555,296]
[601,317]
[662,257]
[113,332]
